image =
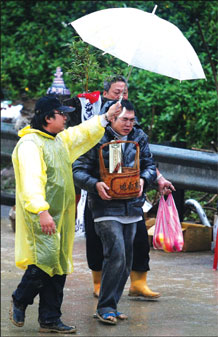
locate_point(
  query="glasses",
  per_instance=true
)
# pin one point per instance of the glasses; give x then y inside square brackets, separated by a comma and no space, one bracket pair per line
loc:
[125,120]
[60,113]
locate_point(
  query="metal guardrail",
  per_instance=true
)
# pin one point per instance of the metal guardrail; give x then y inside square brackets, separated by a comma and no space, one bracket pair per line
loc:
[187,169]
[8,142]
[7,199]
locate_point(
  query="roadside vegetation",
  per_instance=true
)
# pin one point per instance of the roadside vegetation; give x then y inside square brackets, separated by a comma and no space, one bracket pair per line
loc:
[36,38]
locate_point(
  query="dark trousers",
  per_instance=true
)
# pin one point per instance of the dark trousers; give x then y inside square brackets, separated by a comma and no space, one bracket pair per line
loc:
[94,250]
[117,240]
[50,290]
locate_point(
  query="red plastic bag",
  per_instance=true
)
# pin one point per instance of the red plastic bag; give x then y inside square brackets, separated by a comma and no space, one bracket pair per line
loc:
[168,231]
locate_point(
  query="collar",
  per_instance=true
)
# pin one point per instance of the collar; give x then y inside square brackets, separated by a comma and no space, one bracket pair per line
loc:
[49,133]
[116,135]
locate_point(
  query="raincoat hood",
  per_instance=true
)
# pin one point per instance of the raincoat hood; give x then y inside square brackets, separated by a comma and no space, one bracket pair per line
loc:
[28,130]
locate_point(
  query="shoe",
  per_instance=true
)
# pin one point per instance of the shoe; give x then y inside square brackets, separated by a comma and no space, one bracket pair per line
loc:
[17,314]
[108,318]
[121,316]
[57,326]
[139,287]
[96,275]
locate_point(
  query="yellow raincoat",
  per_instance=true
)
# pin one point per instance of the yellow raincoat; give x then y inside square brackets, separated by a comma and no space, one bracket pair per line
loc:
[43,172]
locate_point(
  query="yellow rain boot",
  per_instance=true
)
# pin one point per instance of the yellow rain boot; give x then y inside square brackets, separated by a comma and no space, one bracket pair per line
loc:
[96,275]
[139,286]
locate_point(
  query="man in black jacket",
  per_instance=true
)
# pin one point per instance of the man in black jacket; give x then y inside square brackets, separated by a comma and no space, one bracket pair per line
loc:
[115,219]
[86,105]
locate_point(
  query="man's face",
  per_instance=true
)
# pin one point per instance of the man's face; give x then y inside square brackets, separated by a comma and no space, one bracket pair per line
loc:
[116,90]
[57,123]
[124,125]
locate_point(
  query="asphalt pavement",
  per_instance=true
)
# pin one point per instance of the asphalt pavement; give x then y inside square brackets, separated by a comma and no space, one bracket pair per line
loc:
[187,282]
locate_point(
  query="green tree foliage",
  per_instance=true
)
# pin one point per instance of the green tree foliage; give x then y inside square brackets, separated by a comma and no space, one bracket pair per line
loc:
[36,38]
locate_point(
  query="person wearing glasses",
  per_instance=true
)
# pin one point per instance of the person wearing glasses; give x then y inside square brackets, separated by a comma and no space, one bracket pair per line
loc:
[115,220]
[45,207]
[87,105]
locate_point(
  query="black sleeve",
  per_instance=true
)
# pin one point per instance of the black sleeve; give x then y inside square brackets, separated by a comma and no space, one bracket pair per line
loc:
[147,164]
[86,171]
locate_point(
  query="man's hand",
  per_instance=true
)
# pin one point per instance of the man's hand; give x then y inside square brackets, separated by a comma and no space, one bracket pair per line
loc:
[47,223]
[114,111]
[165,186]
[102,189]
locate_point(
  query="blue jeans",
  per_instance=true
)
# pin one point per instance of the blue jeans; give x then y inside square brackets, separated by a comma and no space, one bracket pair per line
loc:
[94,250]
[50,290]
[117,241]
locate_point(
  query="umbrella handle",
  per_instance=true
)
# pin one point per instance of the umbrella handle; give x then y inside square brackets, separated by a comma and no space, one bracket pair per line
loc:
[121,96]
[127,79]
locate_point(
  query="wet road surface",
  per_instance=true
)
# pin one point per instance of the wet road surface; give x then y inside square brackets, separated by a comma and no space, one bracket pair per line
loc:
[188,305]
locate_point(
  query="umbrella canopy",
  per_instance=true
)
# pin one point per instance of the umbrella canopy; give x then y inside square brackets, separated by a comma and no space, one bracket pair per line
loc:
[142,40]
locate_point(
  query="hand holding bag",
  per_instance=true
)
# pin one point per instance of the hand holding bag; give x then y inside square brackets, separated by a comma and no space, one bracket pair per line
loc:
[168,231]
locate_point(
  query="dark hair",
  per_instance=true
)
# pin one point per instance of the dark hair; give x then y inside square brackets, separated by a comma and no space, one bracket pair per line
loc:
[38,120]
[127,104]
[113,79]
[45,107]
[124,102]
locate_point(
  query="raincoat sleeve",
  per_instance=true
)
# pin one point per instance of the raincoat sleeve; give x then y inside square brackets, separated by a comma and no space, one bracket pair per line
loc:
[81,138]
[32,177]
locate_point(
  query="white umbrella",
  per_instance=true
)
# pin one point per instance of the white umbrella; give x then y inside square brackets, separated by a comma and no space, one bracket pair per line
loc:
[142,40]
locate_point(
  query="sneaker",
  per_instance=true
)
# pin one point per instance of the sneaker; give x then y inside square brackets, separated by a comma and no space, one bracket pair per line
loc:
[57,326]
[17,314]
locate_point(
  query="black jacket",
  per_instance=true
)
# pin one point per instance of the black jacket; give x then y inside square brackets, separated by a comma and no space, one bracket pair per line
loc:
[86,175]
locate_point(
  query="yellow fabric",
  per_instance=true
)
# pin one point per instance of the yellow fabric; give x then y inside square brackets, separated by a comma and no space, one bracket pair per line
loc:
[43,172]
